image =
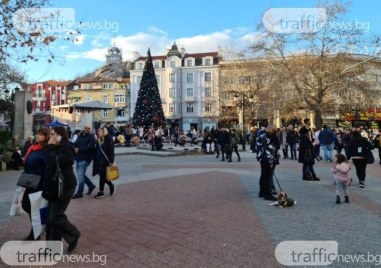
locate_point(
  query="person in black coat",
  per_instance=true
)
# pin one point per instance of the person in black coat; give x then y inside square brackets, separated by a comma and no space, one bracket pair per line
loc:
[307,156]
[57,224]
[104,157]
[35,163]
[357,150]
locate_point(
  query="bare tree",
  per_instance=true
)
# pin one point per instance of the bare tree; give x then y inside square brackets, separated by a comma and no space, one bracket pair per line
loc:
[249,81]
[318,65]
[23,33]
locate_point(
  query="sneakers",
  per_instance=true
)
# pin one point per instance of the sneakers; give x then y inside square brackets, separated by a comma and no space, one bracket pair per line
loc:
[77,195]
[338,199]
[346,199]
[99,195]
[315,178]
[91,189]
[362,184]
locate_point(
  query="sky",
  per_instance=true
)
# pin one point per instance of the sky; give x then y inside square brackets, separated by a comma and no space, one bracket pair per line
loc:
[133,26]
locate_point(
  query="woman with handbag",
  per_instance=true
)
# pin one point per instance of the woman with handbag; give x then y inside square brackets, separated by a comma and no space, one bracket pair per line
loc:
[35,163]
[307,156]
[60,154]
[104,157]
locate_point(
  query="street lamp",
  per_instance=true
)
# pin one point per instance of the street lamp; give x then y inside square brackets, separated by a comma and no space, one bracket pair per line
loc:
[243,104]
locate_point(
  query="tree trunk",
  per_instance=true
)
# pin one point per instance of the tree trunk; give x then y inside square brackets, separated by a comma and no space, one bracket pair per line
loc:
[318,119]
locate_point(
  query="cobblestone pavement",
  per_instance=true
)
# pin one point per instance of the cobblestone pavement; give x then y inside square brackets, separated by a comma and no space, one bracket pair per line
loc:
[196,211]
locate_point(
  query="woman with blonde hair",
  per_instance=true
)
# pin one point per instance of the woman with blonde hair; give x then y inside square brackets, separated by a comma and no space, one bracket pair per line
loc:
[104,157]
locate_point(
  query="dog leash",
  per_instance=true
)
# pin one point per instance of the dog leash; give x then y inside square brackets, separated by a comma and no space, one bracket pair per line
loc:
[280,188]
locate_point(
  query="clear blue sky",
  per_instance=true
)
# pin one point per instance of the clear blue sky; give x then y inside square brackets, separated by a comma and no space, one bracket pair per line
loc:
[197,25]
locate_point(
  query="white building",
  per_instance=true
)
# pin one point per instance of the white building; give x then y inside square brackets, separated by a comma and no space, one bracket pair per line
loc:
[188,86]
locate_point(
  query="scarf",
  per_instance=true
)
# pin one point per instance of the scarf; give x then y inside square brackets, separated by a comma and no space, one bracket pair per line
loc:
[33,147]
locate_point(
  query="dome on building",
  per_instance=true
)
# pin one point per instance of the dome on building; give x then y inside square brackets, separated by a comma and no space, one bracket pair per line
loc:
[174,51]
[114,51]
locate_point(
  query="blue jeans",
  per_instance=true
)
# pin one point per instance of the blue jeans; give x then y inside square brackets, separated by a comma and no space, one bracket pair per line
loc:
[327,153]
[82,178]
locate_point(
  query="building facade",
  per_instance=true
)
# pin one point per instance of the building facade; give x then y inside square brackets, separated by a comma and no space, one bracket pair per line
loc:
[109,84]
[188,86]
[45,95]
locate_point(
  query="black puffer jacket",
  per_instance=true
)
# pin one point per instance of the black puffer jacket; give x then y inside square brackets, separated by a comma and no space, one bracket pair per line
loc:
[65,154]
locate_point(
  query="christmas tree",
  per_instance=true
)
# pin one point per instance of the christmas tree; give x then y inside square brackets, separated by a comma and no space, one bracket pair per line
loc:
[148,109]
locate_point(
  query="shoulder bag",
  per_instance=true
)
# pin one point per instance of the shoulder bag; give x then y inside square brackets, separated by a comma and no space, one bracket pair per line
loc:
[112,172]
[53,189]
[30,181]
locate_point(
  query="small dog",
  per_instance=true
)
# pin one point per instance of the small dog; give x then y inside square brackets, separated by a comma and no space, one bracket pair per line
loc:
[284,201]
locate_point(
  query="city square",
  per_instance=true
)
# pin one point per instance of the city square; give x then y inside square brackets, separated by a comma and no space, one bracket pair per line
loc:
[202,134]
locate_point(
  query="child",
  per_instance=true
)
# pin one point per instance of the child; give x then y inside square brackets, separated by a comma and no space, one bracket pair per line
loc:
[341,169]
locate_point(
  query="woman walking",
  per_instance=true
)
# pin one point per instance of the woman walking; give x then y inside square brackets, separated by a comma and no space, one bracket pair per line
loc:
[357,150]
[104,157]
[35,163]
[60,153]
[307,156]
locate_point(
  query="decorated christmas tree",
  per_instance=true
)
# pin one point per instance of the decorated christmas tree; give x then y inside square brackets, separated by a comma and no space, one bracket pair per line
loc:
[148,110]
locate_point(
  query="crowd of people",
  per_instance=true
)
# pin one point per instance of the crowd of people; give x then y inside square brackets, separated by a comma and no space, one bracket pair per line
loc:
[53,148]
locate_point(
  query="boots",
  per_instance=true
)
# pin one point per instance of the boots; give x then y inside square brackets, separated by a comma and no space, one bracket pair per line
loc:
[307,177]
[314,178]
[338,199]
[346,199]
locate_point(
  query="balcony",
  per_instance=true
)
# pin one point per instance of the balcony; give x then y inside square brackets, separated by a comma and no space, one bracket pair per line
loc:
[189,99]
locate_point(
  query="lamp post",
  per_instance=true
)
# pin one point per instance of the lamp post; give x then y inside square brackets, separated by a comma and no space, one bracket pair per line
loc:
[243,104]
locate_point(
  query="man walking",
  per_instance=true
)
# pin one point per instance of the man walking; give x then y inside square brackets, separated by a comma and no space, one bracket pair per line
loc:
[326,139]
[84,150]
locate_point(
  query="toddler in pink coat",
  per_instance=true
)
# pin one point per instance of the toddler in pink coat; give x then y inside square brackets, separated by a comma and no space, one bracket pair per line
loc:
[342,171]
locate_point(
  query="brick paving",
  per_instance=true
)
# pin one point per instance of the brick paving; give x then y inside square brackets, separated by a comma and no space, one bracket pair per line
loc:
[196,211]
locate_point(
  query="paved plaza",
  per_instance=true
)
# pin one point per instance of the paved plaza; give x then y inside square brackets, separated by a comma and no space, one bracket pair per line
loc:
[195,211]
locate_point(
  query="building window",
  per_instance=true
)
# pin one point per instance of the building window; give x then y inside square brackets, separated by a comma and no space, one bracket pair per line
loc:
[208,77]
[207,61]
[208,92]
[89,97]
[189,63]
[140,66]
[104,113]
[172,93]
[189,92]
[172,77]
[120,98]
[172,108]
[156,64]
[189,107]
[189,77]
[105,98]
[172,64]
[120,113]
[208,107]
